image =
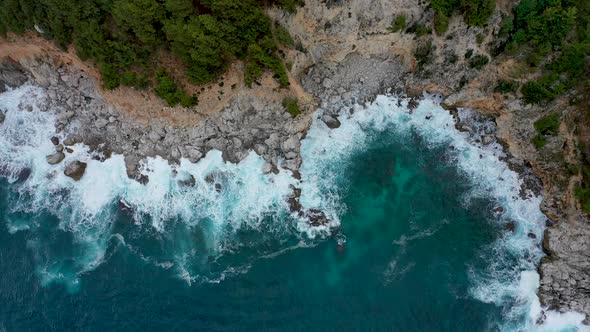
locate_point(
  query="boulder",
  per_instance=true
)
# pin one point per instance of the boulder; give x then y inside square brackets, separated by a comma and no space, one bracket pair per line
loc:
[331,121]
[12,73]
[75,170]
[55,158]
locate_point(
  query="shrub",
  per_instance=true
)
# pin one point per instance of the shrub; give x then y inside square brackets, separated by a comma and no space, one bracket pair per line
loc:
[468,53]
[283,36]
[424,53]
[398,23]
[539,141]
[535,93]
[478,61]
[548,125]
[479,38]
[506,86]
[291,106]
[583,195]
[167,89]
[418,29]
[441,23]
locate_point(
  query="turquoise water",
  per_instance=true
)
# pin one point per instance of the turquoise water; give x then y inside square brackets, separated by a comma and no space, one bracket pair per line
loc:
[418,239]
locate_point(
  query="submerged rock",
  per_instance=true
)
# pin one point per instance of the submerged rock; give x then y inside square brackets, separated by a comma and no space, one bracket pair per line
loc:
[188,181]
[55,158]
[2,117]
[75,170]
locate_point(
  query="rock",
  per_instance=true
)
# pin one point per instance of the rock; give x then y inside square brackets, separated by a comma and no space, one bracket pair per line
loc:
[509,227]
[2,117]
[292,144]
[75,170]
[531,235]
[12,73]
[101,123]
[59,148]
[188,181]
[55,140]
[68,150]
[70,140]
[55,158]
[330,121]
[192,153]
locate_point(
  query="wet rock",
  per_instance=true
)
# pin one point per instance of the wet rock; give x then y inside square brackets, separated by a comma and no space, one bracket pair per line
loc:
[2,117]
[188,181]
[59,148]
[510,227]
[331,121]
[75,170]
[70,140]
[317,218]
[55,158]
[55,140]
[531,235]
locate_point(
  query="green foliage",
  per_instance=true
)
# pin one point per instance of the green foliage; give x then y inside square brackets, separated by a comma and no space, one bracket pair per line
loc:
[123,37]
[398,23]
[418,29]
[478,61]
[292,106]
[480,38]
[539,141]
[424,53]
[548,125]
[441,23]
[168,90]
[283,37]
[506,86]
[583,195]
[475,12]
[535,93]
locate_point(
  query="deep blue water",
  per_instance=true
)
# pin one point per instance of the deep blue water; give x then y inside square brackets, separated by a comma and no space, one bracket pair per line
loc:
[409,245]
[418,241]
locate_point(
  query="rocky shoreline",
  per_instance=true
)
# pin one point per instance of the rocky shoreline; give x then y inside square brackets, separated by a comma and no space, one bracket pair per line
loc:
[347,58]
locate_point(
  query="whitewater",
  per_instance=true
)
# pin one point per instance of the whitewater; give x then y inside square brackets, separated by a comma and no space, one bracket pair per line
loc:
[228,201]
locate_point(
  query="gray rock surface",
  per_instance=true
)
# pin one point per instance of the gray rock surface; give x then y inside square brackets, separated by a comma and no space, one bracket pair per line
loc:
[55,158]
[75,170]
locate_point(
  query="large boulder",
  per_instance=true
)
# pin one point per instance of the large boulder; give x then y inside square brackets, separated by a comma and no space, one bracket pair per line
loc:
[12,73]
[55,158]
[331,121]
[75,170]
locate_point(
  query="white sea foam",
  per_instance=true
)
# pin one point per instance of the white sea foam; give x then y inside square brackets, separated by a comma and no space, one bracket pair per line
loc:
[508,278]
[247,197]
[227,196]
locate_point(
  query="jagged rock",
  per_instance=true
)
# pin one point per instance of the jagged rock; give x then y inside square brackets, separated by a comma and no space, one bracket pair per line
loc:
[75,170]
[55,140]
[55,158]
[59,148]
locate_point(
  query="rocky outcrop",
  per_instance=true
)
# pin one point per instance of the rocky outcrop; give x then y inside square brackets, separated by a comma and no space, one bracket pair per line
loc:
[75,170]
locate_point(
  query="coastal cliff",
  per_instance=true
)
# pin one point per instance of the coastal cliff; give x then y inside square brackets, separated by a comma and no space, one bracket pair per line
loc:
[346,55]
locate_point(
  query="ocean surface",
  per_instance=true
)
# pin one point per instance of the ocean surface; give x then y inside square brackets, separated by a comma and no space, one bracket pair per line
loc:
[429,231]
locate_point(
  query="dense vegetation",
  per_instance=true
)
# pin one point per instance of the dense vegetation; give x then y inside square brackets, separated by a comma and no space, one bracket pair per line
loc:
[123,37]
[553,36]
[475,12]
